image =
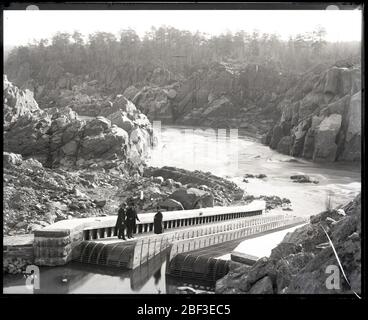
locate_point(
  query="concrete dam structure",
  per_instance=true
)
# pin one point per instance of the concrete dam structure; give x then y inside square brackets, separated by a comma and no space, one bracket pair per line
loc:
[94,241]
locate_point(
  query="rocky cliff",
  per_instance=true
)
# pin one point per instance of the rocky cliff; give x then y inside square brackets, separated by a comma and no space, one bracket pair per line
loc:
[242,96]
[223,94]
[218,95]
[321,116]
[316,115]
[299,263]
[120,136]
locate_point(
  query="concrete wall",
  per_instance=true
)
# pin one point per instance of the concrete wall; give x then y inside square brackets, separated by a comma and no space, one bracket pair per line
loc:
[59,243]
[233,232]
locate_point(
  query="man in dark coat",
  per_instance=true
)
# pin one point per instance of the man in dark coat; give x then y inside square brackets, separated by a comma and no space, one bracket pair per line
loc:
[131,218]
[157,222]
[121,221]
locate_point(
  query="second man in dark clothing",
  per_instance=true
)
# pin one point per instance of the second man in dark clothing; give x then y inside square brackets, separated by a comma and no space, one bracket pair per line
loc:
[131,218]
[121,221]
[157,222]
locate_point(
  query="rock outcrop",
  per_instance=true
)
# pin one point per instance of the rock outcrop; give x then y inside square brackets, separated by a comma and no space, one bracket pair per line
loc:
[298,265]
[212,189]
[231,95]
[156,102]
[17,103]
[321,117]
[57,136]
[193,198]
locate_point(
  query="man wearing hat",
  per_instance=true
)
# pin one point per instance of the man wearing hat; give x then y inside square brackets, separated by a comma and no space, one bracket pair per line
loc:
[121,221]
[131,218]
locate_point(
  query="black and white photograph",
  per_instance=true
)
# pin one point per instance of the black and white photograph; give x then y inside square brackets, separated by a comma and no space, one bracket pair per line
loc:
[182,151]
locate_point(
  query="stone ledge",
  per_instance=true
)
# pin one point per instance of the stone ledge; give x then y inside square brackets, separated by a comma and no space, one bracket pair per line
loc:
[243,258]
[18,240]
[57,233]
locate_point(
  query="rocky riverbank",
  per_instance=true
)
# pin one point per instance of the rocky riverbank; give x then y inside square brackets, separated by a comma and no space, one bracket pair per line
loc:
[298,264]
[36,196]
[321,116]
[314,115]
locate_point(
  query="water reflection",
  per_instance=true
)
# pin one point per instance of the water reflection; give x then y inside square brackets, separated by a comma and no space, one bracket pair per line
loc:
[92,279]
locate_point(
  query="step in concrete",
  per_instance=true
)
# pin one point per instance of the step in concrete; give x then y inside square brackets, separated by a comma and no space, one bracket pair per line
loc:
[244,258]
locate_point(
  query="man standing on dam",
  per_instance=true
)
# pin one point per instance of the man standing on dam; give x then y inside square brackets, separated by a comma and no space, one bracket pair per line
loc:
[121,221]
[157,222]
[131,218]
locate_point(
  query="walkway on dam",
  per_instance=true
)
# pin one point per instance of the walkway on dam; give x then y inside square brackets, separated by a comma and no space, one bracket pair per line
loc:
[147,235]
[117,252]
[92,240]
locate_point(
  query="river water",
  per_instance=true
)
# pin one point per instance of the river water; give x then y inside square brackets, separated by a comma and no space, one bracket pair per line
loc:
[223,153]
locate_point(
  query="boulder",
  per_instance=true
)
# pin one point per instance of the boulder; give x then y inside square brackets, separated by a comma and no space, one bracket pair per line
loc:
[169,182]
[284,249]
[96,126]
[120,119]
[140,142]
[32,163]
[262,268]
[154,102]
[261,176]
[158,180]
[100,203]
[263,286]
[193,198]
[122,103]
[120,134]
[11,159]
[108,146]
[171,205]
[70,148]
[142,121]
[302,178]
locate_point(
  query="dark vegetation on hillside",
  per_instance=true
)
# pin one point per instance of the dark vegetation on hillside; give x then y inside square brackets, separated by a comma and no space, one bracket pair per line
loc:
[178,51]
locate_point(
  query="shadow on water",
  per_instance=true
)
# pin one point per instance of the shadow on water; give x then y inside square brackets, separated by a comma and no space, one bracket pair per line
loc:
[91,279]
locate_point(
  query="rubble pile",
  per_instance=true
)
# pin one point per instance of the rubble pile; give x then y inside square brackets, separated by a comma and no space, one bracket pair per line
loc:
[298,264]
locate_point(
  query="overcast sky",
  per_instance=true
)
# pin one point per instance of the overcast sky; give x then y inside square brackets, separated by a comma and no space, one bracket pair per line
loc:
[21,27]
